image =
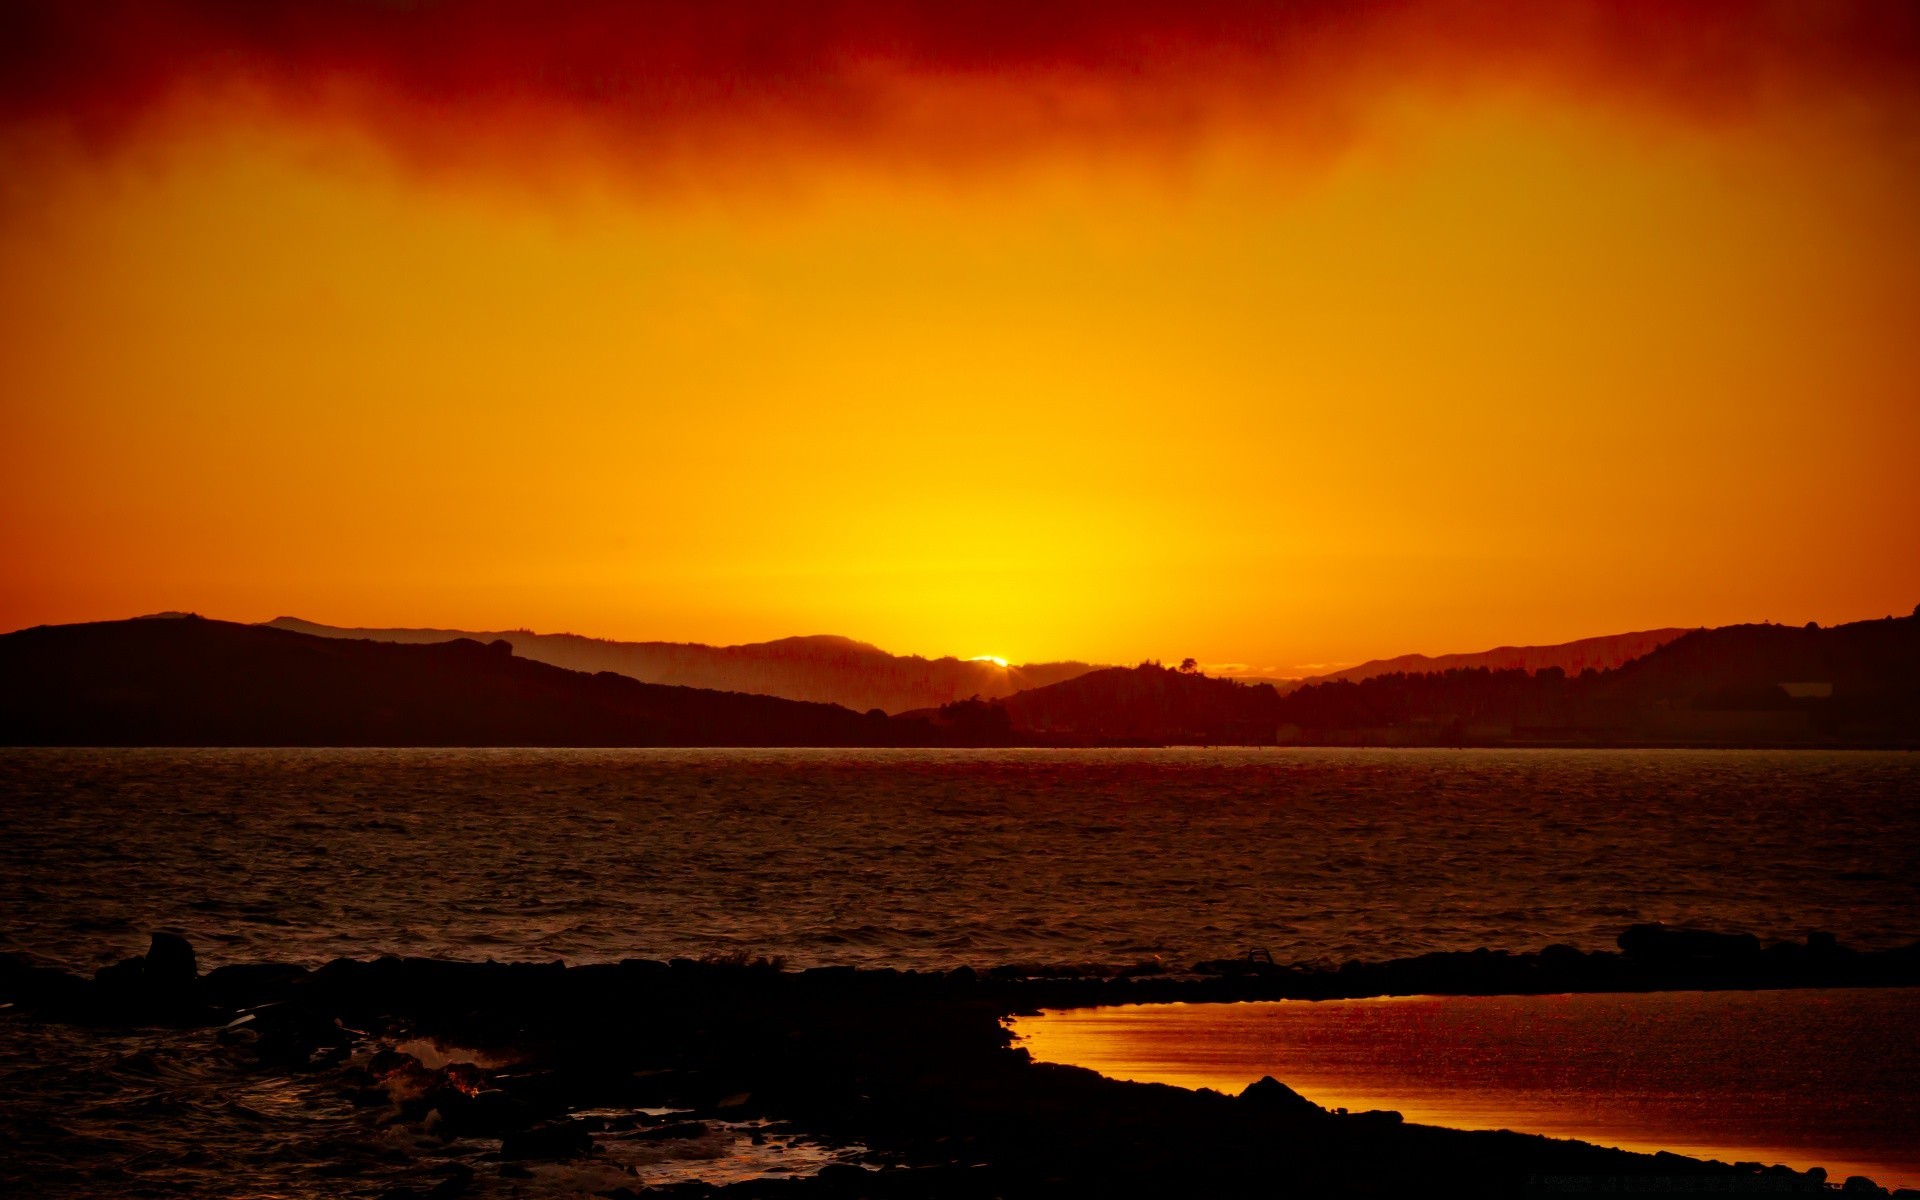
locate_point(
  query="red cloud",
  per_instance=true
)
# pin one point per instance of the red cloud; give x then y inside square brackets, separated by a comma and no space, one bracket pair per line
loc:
[659,79]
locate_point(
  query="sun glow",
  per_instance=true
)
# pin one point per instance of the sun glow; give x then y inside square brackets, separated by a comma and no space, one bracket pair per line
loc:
[1558,351]
[995,659]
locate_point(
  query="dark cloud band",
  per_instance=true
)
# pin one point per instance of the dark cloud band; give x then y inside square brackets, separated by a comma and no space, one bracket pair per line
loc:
[659,73]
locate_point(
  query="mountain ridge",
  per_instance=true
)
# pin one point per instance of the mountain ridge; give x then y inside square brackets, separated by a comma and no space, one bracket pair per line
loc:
[190,681]
[820,668]
[836,669]
[1601,653]
[1737,685]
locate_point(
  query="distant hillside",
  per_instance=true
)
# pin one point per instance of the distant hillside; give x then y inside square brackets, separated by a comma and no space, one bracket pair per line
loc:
[1742,685]
[190,682]
[824,669]
[1594,653]
[1856,669]
[1146,704]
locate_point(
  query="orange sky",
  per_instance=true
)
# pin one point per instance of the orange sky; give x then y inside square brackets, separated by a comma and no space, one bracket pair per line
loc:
[1272,336]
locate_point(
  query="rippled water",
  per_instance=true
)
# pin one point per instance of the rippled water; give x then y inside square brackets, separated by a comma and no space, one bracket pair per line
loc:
[932,858]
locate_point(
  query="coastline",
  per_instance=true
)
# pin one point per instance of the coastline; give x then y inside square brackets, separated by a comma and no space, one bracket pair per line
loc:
[916,1069]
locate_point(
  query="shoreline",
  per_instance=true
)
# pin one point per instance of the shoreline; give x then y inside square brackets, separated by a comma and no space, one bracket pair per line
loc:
[916,1068]
[1651,958]
[1878,747]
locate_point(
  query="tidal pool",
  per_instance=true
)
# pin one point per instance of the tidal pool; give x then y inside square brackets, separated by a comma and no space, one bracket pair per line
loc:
[1827,1078]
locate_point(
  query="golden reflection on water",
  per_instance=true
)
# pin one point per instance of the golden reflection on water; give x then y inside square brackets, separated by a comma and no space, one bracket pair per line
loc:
[1808,1078]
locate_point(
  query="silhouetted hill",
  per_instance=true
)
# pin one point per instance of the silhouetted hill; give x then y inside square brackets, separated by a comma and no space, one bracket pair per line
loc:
[826,669]
[1861,660]
[1594,653]
[1147,703]
[1855,684]
[190,681]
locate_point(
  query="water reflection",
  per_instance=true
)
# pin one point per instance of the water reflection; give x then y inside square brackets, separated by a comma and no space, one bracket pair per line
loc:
[1807,1078]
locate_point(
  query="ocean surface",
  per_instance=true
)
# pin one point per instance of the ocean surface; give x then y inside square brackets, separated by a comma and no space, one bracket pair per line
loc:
[937,858]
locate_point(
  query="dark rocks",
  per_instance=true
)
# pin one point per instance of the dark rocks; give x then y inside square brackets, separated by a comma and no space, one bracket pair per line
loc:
[1269,1094]
[170,963]
[42,988]
[919,1068]
[552,1141]
[1661,943]
[1655,958]
[675,1132]
[393,1062]
[157,988]
[1254,962]
[124,982]
[147,989]
[491,1113]
[248,984]
[291,1035]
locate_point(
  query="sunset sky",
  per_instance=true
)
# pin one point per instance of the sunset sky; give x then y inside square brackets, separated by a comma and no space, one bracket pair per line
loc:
[1280,335]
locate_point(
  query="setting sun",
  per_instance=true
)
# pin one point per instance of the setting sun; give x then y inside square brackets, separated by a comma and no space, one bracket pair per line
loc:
[1437,370]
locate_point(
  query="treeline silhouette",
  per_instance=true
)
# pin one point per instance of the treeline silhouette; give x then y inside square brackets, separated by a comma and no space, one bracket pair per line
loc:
[1147,704]
[1738,685]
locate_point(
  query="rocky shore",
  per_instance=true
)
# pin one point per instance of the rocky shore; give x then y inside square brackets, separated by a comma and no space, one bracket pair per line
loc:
[1650,958]
[908,1079]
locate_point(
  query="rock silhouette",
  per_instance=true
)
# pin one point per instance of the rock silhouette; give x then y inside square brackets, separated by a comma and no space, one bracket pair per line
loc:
[918,1068]
[170,963]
